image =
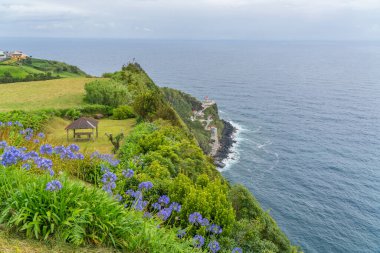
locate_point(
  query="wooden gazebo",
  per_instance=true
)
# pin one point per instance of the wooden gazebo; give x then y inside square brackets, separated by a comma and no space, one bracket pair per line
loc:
[83,124]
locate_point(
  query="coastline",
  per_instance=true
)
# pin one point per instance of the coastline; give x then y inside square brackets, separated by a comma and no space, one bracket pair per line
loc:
[227,141]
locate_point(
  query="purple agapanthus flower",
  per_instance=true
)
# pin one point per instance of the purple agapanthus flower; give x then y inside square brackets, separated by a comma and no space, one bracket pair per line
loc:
[139,204]
[156,206]
[12,156]
[147,215]
[54,185]
[164,200]
[198,241]
[30,155]
[237,250]
[80,156]
[73,147]
[205,222]
[181,233]
[176,207]
[26,166]
[41,135]
[128,173]
[118,197]
[3,144]
[130,192]
[214,246]
[146,185]
[43,163]
[108,181]
[215,229]
[195,218]
[46,149]
[164,213]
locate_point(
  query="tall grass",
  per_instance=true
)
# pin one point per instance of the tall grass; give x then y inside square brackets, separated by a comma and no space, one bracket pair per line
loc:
[78,214]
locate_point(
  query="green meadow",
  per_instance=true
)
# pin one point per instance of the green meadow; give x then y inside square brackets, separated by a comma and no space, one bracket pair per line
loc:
[56,133]
[51,94]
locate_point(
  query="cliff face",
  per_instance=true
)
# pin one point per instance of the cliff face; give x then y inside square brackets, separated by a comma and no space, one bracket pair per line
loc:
[201,118]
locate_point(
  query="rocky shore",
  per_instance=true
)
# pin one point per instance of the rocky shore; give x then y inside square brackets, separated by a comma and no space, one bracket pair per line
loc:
[226,143]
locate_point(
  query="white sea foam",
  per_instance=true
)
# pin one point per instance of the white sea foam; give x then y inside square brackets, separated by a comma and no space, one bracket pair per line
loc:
[234,155]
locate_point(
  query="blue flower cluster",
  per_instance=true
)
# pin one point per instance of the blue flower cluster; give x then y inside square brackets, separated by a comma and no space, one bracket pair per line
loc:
[215,229]
[214,246]
[10,123]
[164,212]
[28,133]
[69,152]
[14,155]
[3,144]
[106,158]
[109,182]
[195,218]
[237,250]
[146,185]
[54,185]
[128,174]
[138,203]
[198,241]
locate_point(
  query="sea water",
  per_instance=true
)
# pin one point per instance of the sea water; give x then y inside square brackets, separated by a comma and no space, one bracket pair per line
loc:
[308,119]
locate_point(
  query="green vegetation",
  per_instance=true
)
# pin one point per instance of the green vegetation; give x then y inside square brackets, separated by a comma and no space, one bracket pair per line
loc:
[36,69]
[56,133]
[162,152]
[11,243]
[184,104]
[52,94]
[107,92]
[123,112]
[169,158]
[77,214]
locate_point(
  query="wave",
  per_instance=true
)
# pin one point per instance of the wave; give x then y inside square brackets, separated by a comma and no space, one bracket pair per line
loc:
[234,154]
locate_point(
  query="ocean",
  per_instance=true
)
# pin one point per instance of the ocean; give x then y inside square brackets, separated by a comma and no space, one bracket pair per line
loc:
[308,114]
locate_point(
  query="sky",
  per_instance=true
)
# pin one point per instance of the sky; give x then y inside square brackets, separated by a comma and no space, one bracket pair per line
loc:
[193,19]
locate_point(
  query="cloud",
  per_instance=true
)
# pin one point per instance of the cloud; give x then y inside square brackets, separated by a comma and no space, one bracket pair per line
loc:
[195,19]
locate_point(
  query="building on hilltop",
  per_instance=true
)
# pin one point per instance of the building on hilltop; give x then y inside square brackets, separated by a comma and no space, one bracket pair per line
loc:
[18,55]
[207,102]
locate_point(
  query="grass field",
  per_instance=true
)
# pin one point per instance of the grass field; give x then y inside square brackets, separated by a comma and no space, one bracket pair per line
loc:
[56,133]
[20,69]
[14,244]
[57,94]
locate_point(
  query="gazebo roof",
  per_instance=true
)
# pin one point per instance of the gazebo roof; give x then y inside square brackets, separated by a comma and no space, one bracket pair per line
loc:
[83,123]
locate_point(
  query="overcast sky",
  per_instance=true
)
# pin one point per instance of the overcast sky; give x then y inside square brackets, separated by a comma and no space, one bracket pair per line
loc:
[193,19]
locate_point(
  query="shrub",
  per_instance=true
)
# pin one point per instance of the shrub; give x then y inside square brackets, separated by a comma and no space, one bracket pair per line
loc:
[73,114]
[123,112]
[107,92]
[35,120]
[92,109]
[78,214]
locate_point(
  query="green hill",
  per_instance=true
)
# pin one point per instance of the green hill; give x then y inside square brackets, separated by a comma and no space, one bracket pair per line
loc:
[36,69]
[160,192]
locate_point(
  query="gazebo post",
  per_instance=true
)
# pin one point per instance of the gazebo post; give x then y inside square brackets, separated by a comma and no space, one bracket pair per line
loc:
[67,134]
[96,132]
[74,134]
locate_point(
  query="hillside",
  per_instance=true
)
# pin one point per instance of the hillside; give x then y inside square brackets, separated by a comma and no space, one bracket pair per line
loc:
[36,69]
[185,104]
[159,192]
